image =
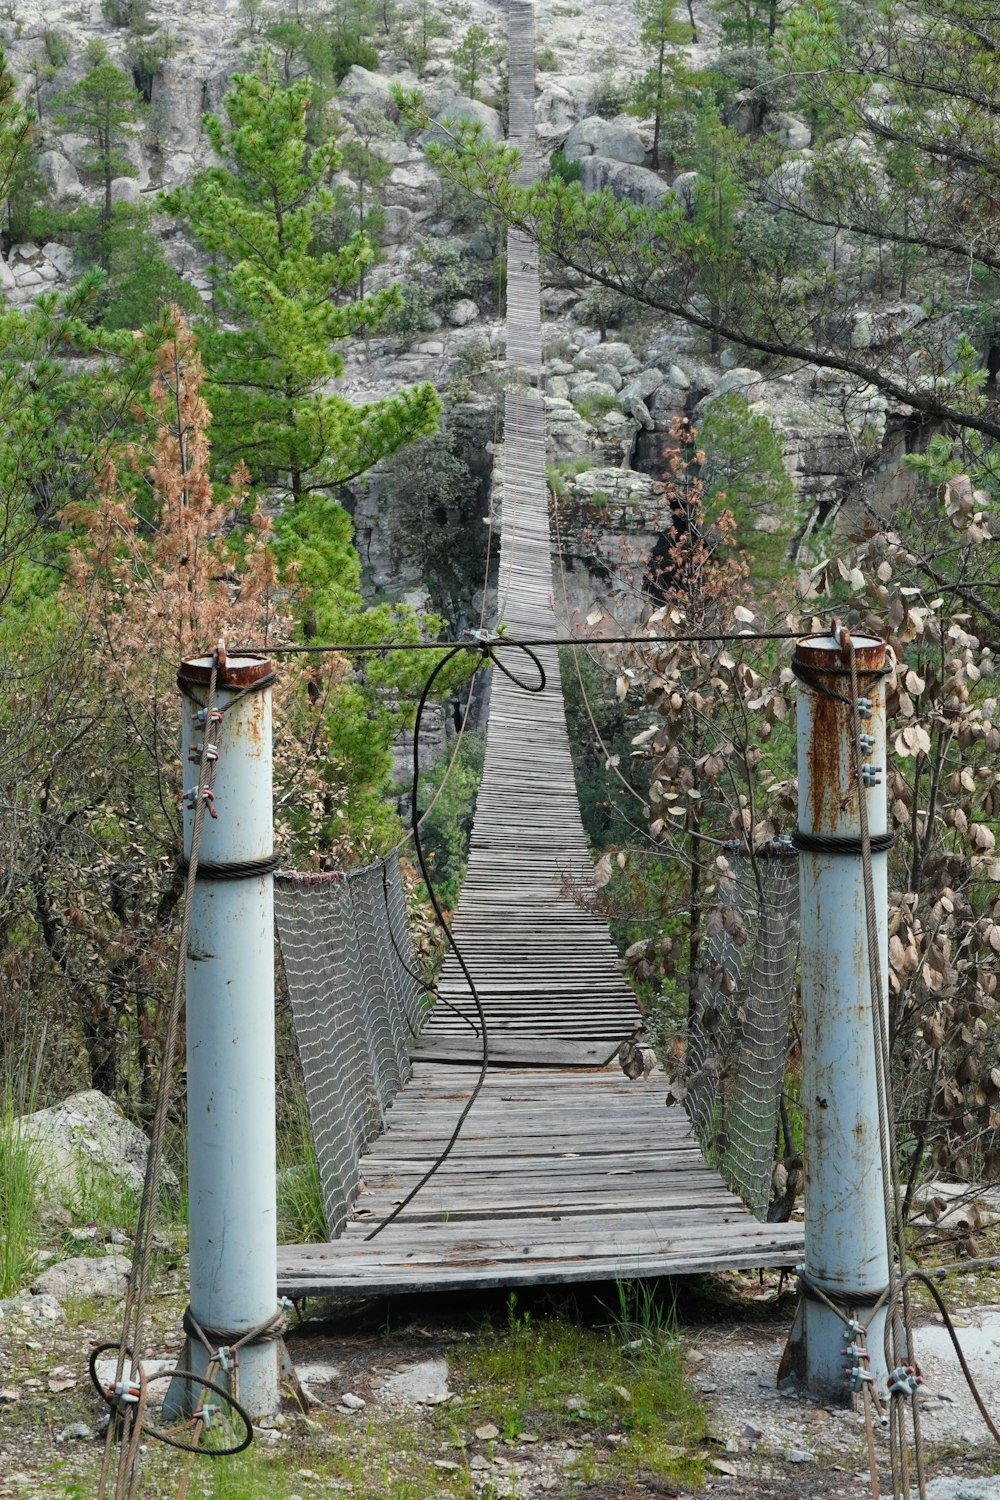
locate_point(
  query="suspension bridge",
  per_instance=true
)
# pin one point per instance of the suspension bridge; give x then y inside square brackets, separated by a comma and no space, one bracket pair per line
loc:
[565,1169]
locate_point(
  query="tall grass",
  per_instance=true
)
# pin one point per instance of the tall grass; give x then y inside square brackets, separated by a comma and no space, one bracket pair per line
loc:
[301,1217]
[20,1173]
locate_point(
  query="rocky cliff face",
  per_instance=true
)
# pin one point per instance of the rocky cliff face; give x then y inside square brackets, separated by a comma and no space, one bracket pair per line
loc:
[612,399]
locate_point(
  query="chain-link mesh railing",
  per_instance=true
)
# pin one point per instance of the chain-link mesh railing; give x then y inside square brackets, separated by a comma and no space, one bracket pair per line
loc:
[351,971]
[738,1036]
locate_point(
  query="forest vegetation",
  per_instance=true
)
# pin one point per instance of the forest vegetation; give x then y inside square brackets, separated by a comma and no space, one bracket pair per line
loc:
[180,461]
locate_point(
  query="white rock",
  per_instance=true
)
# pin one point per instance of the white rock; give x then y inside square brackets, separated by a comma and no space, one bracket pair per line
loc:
[26,253]
[790,130]
[62,257]
[85,1276]
[397,223]
[618,354]
[634,183]
[421,1384]
[29,278]
[7,282]
[352,1402]
[125,190]
[85,1144]
[683,186]
[32,1309]
[460,110]
[645,382]
[60,175]
[596,136]
[361,88]
[462,312]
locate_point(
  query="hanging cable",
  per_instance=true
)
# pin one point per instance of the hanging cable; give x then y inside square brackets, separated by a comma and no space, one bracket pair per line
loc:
[744,637]
[487,646]
[899,1325]
[137,1291]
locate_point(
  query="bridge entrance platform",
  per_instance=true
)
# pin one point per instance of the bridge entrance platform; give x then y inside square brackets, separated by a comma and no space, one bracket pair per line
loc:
[561,1174]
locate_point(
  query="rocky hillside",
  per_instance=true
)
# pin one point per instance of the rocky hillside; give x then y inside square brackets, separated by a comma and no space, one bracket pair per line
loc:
[613,394]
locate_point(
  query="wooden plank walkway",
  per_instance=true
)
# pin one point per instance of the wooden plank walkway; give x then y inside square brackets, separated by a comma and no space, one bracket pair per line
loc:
[559,1176]
[565,1171]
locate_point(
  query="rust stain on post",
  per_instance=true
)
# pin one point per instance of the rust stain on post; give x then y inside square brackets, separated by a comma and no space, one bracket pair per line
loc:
[831,771]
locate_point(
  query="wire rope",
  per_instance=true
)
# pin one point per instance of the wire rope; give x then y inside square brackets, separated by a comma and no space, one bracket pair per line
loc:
[487,654]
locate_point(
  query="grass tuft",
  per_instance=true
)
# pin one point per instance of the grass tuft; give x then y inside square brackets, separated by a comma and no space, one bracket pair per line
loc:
[20,1173]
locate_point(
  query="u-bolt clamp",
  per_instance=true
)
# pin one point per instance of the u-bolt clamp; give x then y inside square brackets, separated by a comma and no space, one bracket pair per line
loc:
[124,1393]
[904,1380]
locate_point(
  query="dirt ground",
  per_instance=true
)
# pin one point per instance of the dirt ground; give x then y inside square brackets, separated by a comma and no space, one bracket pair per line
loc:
[759,1443]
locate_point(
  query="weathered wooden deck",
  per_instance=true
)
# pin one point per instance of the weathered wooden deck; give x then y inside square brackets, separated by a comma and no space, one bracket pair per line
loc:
[565,1171]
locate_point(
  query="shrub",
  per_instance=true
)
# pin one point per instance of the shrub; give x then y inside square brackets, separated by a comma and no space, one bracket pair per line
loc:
[146,57]
[561,166]
[58,48]
[131,14]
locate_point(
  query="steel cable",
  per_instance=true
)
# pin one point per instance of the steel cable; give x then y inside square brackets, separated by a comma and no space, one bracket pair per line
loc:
[488,651]
[137,1290]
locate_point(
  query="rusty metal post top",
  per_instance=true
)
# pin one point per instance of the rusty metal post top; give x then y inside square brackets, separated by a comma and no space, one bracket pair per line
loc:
[234,671]
[826,650]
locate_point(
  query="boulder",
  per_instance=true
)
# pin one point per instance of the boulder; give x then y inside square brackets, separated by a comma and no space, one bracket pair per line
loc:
[634,405]
[557,300]
[790,130]
[25,254]
[595,136]
[185,88]
[7,282]
[613,353]
[683,186]
[644,384]
[636,184]
[588,389]
[62,257]
[125,190]
[556,111]
[397,223]
[874,328]
[610,375]
[60,175]
[460,110]
[361,88]
[413,186]
[744,114]
[462,312]
[87,1147]
[742,380]
[85,1276]
[26,1307]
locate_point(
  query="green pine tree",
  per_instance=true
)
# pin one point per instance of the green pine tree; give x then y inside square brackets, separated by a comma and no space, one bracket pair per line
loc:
[657,91]
[287,304]
[106,108]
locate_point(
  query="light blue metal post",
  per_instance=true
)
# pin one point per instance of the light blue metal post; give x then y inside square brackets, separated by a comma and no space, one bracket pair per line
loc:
[846,1249]
[230,1025]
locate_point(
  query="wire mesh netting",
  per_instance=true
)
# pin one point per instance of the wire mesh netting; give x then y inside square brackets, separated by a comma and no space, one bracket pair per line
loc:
[738,1034]
[352,980]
